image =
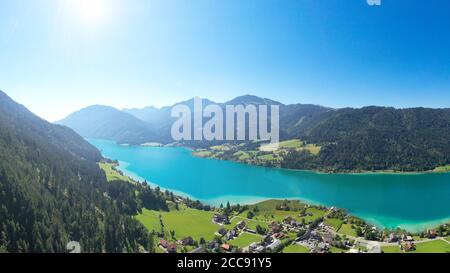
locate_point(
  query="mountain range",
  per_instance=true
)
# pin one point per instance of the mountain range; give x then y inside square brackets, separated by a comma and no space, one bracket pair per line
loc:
[368,138]
[150,124]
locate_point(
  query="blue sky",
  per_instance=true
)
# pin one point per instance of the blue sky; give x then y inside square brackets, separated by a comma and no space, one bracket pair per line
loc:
[57,56]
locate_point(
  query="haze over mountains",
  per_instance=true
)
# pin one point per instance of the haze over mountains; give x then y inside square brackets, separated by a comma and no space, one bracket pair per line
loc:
[150,124]
[369,138]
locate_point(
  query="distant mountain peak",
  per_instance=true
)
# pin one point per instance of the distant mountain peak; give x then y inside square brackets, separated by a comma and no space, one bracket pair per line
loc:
[252,99]
[190,102]
[146,108]
[105,122]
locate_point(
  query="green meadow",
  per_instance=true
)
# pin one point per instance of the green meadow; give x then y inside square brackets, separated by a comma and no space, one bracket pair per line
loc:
[296,248]
[337,250]
[112,174]
[391,249]
[435,246]
[347,229]
[334,223]
[267,211]
[185,222]
[443,169]
[245,239]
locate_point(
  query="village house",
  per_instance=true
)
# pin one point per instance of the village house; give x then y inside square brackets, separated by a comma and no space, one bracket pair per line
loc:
[268,240]
[392,238]
[253,246]
[213,245]
[407,238]
[431,234]
[221,219]
[163,243]
[187,241]
[222,232]
[259,249]
[241,225]
[279,236]
[226,247]
[408,246]
[232,234]
[172,248]
[275,227]
[274,245]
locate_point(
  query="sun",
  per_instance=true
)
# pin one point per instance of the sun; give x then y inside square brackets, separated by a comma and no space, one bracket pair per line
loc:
[92,12]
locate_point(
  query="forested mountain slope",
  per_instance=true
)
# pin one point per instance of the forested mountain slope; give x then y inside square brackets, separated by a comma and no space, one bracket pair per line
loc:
[53,192]
[106,122]
[377,138]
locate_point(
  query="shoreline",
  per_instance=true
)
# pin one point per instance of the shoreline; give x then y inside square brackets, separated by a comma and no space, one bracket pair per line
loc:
[252,200]
[350,172]
[215,201]
[316,171]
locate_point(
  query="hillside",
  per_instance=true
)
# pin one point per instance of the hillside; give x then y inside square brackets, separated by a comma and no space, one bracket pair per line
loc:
[377,138]
[106,122]
[53,192]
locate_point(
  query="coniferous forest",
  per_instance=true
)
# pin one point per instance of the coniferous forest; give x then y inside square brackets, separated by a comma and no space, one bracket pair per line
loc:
[52,191]
[375,138]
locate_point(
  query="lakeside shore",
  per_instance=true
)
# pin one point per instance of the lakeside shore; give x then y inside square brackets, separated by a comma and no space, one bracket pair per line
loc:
[253,200]
[195,152]
[445,169]
[286,223]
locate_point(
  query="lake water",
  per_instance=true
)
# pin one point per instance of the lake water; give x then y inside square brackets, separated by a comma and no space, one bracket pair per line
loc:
[410,201]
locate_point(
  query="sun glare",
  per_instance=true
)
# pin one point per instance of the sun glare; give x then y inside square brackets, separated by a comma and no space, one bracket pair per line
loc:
[92,12]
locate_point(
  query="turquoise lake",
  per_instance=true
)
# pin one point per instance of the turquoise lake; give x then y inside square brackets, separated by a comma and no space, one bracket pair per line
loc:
[410,201]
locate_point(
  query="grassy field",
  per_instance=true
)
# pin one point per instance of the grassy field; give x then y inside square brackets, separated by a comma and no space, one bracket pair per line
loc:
[288,144]
[112,174]
[435,246]
[245,239]
[294,143]
[334,223]
[296,248]
[268,157]
[347,229]
[443,169]
[316,213]
[391,249]
[185,222]
[337,250]
[196,223]
[312,148]
[241,155]
[267,211]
